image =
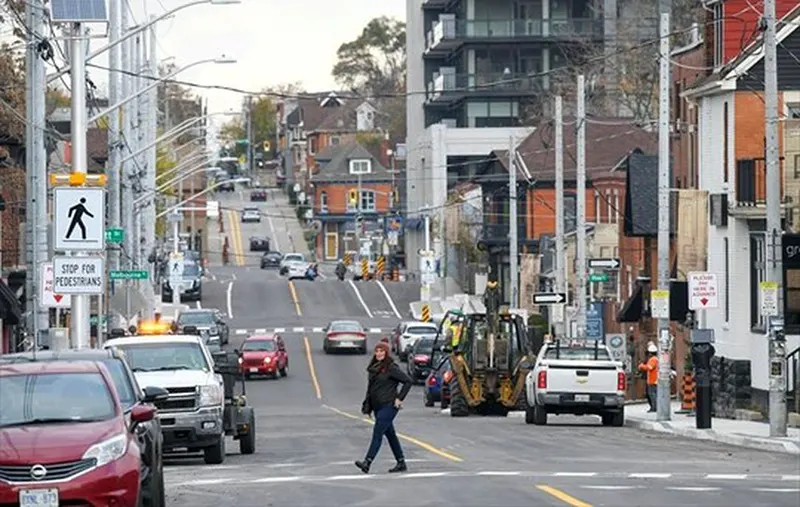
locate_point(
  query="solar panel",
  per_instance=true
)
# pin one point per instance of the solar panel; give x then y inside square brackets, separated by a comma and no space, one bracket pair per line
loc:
[78,11]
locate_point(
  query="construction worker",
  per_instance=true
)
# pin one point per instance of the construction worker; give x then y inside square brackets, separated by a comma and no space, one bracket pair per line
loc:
[455,329]
[651,368]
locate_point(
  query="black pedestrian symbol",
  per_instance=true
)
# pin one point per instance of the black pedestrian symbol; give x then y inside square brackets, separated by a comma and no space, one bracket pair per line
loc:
[176,267]
[77,212]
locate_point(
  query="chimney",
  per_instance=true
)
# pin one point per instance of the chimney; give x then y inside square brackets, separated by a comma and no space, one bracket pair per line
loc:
[695,33]
[386,153]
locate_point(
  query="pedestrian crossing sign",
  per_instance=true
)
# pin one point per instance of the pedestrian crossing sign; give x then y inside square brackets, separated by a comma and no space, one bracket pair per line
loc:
[79,219]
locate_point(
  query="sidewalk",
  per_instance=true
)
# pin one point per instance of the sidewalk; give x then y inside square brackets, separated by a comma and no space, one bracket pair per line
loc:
[754,435]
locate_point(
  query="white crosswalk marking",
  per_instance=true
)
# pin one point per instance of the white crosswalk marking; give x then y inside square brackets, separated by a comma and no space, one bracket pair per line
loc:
[316,330]
[374,330]
[240,331]
[298,329]
[263,330]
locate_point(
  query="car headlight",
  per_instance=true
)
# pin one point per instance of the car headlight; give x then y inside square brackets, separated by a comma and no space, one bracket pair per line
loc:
[210,396]
[267,360]
[108,450]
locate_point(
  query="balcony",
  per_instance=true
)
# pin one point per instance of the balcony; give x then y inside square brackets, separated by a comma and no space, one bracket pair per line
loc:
[448,88]
[448,33]
[751,187]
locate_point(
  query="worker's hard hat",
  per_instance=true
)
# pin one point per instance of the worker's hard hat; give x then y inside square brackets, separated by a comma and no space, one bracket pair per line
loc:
[652,348]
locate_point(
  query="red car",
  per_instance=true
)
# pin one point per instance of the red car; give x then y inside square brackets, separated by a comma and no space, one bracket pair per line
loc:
[66,439]
[264,355]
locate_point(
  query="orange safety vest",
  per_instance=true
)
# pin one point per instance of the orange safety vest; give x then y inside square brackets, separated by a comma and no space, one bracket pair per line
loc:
[651,367]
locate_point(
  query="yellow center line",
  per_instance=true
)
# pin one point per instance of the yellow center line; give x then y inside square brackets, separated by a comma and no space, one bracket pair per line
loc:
[567,499]
[419,443]
[239,245]
[233,245]
[311,368]
[295,299]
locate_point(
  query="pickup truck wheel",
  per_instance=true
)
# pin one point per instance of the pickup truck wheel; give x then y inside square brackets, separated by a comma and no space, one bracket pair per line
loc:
[539,415]
[528,415]
[247,444]
[458,403]
[615,419]
[215,455]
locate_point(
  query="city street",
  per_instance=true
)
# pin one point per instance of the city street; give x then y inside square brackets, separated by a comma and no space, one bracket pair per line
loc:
[309,429]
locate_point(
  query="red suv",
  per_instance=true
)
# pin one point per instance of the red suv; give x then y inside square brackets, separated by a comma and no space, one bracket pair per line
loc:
[67,440]
[264,355]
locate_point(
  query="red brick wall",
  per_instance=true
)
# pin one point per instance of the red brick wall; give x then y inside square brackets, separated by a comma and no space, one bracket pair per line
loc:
[337,196]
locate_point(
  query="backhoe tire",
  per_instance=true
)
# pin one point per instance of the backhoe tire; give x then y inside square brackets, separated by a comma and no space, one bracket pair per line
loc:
[458,402]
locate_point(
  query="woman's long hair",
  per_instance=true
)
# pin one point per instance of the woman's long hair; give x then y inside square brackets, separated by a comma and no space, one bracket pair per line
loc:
[381,366]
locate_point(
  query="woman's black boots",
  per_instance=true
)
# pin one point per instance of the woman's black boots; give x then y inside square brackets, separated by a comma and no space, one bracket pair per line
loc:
[399,467]
[364,465]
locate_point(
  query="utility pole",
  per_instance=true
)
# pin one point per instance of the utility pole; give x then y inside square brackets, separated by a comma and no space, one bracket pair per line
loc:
[559,263]
[513,228]
[359,218]
[141,169]
[664,367]
[114,177]
[149,214]
[777,345]
[80,309]
[126,168]
[249,134]
[580,234]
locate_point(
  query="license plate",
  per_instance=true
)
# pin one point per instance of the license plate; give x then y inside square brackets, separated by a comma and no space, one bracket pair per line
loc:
[38,498]
[581,398]
[253,370]
[348,344]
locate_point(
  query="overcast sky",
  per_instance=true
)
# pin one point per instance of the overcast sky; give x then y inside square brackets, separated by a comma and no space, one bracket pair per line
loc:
[274,41]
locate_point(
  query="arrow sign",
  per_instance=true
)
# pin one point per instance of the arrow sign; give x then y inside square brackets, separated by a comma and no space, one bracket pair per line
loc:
[549,298]
[605,263]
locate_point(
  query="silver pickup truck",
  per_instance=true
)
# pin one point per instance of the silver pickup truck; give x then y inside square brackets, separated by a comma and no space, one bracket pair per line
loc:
[580,379]
[191,417]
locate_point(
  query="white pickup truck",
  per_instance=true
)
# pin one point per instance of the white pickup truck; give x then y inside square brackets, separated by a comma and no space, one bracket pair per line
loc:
[580,379]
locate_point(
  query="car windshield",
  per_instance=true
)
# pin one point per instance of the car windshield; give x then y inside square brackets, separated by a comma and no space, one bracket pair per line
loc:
[424,347]
[421,330]
[259,346]
[577,354]
[165,356]
[40,399]
[196,319]
[273,255]
[294,258]
[191,269]
[122,383]
[346,327]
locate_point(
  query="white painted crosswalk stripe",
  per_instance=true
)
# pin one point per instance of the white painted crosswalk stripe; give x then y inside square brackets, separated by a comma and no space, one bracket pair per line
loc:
[298,329]
[316,330]
[726,477]
[264,330]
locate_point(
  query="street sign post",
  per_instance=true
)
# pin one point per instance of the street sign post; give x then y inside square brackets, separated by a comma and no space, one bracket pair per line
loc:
[595,321]
[549,298]
[129,275]
[79,219]
[115,235]
[78,275]
[703,290]
[48,298]
[602,263]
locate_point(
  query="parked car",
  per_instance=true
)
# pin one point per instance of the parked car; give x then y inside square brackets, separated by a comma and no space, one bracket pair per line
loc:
[421,359]
[264,355]
[344,335]
[67,440]
[258,195]
[208,321]
[259,244]
[407,333]
[251,215]
[192,286]
[436,385]
[130,395]
[271,260]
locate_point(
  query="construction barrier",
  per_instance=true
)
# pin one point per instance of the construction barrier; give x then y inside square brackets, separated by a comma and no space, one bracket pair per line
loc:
[688,398]
[364,269]
[347,259]
[426,313]
[381,265]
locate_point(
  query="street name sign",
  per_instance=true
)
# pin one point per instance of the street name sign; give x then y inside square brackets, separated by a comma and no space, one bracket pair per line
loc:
[703,290]
[79,216]
[603,263]
[48,298]
[549,298]
[78,275]
[115,235]
[598,277]
[128,275]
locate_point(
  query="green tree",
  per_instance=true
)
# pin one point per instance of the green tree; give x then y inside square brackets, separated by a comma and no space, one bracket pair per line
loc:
[12,94]
[262,115]
[374,65]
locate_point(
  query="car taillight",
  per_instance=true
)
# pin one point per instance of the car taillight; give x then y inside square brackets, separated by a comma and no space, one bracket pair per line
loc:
[621,383]
[541,380]
[421,358]
[431,380]
[448,375]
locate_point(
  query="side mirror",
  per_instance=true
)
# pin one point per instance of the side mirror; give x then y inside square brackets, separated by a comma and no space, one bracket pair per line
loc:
[142,413]
[153,394]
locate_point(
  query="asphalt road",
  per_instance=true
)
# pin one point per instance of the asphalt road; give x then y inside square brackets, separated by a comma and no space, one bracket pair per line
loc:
[309,430]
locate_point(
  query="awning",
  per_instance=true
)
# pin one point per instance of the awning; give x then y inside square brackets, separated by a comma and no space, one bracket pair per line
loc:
[633,308]
[10,309]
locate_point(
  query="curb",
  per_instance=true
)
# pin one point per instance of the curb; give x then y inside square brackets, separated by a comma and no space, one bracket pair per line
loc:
[761,444]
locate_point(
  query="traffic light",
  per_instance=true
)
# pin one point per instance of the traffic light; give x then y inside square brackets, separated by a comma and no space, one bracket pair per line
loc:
[267,145]
[353,197]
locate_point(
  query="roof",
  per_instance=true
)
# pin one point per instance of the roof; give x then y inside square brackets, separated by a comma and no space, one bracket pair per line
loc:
[337,167]
[746,59]
[138,340]
[609,141]
[50,367]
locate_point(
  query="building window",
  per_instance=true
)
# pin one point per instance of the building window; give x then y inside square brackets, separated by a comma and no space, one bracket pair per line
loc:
[596,207]
[312,146]
[615,208]
[725,132]
[334,141]
[719,34]
[609,211]
[360,166]
[323,202]
[727,288]
[758,274]
[368,200]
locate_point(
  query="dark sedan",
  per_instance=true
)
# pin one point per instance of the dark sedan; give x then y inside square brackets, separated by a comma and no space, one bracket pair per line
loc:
[259,244]
[258,195]
[421,360]
[271,260]
[130,395]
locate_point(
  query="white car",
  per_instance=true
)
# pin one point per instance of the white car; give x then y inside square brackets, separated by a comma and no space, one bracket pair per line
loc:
[297,270]
[251,215]
[289,259]
[409,332]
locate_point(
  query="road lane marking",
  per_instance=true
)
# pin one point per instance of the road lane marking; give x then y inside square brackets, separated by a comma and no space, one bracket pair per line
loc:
[278,479]
[777,490]
[234,242]
[575,474]
[294,298]
[198,305]
[499,474]
[389,299]
[311,368]
[316,330]
[610,488]
[298,330]
[791,478]
[419,443]
[650,476]
[696,489]
[360,299]
[557,493]
[205,482]
[424,475]
[240,331]
[349,477]
[229,297]
[726,477]
[274,236]
[277,330]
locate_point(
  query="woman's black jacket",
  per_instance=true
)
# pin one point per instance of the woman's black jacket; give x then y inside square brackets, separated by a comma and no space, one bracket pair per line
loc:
[384,377]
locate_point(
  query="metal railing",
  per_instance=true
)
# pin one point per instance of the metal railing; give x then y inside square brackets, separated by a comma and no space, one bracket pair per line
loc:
[482,83]
[751,182]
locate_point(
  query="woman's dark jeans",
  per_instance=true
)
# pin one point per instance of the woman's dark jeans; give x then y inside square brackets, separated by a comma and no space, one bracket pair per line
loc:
[384,425]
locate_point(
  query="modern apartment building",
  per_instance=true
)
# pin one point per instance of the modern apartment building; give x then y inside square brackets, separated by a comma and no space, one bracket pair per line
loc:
[475,70]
